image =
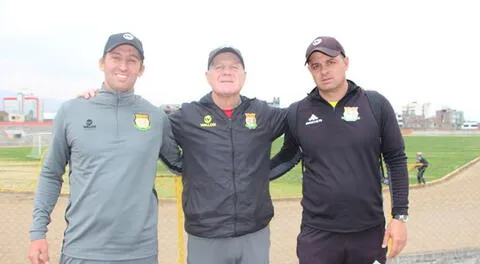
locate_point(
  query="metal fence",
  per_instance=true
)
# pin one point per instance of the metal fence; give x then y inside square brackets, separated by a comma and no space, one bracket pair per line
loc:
[444,225]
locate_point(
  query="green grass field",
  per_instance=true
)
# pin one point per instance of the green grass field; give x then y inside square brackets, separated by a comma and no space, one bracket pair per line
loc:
[445,154]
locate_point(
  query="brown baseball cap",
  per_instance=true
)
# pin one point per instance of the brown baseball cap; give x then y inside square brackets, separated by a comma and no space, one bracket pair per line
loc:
[326,45]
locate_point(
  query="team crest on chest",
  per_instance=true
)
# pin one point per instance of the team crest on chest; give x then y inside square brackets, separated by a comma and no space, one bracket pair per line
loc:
[350,114]
[141,122]
[250,120]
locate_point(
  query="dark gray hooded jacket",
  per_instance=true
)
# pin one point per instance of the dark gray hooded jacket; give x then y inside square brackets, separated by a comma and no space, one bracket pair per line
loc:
[226,165]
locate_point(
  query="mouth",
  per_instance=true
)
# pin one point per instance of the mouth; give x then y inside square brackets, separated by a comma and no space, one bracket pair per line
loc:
[121,77]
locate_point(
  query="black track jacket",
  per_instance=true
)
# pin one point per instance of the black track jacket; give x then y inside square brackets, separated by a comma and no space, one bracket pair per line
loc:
[341,148]
[226,165]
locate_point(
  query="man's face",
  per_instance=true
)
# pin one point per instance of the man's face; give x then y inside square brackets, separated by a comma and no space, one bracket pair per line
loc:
[226,74]
[328,72]
[122,66]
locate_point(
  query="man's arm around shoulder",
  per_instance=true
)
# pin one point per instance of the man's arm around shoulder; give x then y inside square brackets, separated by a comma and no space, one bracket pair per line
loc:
[170,152]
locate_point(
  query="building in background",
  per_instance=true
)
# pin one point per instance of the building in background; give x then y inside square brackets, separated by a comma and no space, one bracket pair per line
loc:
[275,102]
[400,122]
[448,118]
[470,125]
[3,116]
[23,108]
[420,116]
[417,115]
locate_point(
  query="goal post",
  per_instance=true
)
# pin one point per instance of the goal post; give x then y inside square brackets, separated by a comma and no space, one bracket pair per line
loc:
[40,142]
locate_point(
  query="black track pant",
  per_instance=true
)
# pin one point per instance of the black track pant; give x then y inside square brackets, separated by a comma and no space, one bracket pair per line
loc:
[420,178]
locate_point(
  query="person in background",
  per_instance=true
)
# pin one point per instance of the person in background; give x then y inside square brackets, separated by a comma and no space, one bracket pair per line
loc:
[422,164]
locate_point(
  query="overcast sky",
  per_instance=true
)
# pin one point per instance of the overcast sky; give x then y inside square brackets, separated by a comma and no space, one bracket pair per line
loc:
[411,50]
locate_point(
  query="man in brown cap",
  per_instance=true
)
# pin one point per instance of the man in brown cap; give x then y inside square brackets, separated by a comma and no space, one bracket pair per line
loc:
[336,129]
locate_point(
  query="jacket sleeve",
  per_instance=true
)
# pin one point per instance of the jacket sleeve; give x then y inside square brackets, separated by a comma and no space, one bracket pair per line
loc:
[393,150]
[289,156]
[50,180]
[425,162]
[170,153]
[278,121]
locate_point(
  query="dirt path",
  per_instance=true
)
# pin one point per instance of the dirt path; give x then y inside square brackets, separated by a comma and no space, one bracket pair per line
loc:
[444,216]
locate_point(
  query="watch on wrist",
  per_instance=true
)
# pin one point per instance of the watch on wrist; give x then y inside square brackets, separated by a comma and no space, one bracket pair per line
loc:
[403,218]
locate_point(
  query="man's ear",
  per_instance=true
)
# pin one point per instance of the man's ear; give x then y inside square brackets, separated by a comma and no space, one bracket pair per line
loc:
[141,71]
[101,64]
[347,63]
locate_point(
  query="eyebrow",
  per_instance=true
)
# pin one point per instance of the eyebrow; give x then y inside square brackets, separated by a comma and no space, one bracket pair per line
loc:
[329,59]
[130,55]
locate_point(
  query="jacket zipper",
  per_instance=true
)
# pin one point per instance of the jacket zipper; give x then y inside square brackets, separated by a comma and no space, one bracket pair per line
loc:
[116,118]
[233,177]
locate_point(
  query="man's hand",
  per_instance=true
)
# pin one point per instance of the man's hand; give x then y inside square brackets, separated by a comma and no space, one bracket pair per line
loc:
[397,232]
[38,253]
[88,94]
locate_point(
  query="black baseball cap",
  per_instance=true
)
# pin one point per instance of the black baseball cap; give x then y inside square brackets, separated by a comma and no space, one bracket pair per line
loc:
[326,45]
[116,40]
[224,49]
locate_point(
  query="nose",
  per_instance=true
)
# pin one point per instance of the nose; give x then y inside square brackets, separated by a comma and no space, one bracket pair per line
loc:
[123,65]
[228,71]
[323,70]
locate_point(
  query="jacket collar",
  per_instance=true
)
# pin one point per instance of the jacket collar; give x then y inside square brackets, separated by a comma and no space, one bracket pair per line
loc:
[109,97]
[208,100]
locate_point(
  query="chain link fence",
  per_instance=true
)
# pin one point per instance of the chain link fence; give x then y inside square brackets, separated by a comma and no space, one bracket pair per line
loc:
[444,225]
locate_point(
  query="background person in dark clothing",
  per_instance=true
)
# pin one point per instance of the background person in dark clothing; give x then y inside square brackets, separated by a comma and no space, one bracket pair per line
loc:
[421,165]
[335,128]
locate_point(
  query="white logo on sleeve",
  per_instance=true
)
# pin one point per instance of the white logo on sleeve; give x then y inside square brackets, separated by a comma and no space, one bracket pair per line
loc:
[313,120]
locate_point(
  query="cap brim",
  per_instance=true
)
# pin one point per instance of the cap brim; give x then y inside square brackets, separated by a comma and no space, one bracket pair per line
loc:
[326,51]
[125,43]
[225,50]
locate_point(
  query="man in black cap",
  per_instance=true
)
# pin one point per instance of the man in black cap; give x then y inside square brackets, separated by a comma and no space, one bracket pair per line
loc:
[336,130]
[226,141]
[112,144]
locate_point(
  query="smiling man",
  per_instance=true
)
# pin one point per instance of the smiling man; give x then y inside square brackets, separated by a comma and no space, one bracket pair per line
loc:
[226,140]
[111,143]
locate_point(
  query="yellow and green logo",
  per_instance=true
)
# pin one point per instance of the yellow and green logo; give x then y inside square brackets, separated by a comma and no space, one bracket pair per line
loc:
[141,122]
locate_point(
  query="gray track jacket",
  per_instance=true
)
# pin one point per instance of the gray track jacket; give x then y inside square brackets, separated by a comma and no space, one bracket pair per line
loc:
[226,165]
[111,144]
